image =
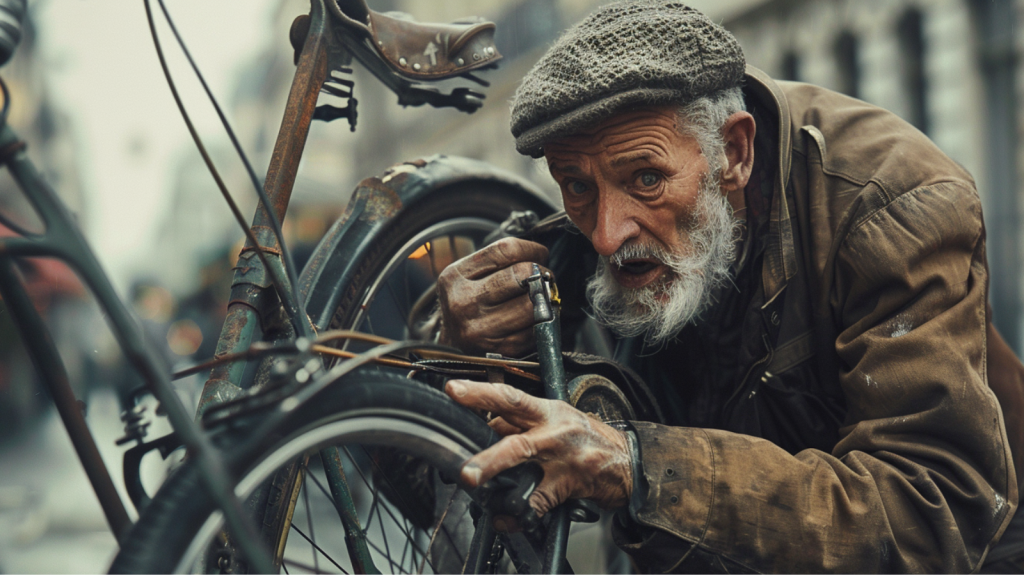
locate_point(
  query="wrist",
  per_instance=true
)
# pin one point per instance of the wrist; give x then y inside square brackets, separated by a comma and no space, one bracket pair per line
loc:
[637,490]
[619,467]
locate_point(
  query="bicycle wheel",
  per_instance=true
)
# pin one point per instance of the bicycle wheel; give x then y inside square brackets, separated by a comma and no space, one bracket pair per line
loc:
[399,255]
[181,530]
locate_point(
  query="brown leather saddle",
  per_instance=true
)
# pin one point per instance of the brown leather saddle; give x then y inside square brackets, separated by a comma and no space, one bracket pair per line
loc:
[421,51]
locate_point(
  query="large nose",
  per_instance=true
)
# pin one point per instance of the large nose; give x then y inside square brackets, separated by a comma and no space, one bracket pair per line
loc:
[615,222]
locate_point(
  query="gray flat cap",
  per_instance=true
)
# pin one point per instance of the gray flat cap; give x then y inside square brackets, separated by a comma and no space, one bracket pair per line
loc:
[639,52]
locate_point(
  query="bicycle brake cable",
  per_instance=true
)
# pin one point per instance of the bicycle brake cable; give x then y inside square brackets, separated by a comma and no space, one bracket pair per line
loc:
[289,298]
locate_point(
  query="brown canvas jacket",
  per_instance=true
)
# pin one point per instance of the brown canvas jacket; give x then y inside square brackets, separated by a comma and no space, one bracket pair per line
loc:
[873,291]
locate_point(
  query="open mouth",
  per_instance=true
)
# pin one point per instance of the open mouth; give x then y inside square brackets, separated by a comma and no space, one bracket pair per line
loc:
[638,266]
[637,272]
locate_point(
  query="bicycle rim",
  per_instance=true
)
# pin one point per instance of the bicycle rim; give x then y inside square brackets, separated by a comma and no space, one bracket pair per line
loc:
[446,449]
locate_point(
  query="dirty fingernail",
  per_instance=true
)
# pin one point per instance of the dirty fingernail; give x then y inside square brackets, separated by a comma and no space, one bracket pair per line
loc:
[457,388]
[472,473]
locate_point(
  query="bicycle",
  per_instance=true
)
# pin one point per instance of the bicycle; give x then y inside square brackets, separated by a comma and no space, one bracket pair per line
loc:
[280,397]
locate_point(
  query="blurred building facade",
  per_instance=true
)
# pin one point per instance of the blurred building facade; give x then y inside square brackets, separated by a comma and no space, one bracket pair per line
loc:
[950,67]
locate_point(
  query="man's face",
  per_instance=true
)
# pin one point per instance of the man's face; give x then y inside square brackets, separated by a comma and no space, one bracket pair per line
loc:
[645,196]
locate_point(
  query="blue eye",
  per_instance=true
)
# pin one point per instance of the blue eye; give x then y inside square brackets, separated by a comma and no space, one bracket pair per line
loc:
[578,188]
[648,179]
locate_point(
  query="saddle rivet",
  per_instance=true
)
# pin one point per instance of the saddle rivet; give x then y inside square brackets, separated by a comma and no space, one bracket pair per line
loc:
[460,62]
[490,51]
[416,66]
[402,61]
[380,42]
[476,56]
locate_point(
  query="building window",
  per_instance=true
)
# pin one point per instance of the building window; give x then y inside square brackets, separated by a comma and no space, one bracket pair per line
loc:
[790,68]
[910,31]
[847,64]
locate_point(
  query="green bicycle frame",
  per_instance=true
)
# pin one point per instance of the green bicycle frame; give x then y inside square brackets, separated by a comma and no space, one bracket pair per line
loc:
[63,240]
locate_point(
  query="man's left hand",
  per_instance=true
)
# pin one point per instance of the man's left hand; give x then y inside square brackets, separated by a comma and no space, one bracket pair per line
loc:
[582,457]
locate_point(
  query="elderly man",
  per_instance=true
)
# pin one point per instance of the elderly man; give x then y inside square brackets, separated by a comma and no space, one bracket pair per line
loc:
[799,276]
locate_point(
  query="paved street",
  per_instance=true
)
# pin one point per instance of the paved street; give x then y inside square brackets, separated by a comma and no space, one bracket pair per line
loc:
[50,520]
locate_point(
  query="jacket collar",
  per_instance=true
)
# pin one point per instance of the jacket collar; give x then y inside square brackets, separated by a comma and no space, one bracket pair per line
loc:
[780,253]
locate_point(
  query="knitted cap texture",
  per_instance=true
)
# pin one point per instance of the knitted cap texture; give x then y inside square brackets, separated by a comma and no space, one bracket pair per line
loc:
[637,52]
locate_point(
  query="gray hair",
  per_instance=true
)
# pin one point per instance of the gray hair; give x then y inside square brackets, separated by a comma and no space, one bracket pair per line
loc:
[703,119]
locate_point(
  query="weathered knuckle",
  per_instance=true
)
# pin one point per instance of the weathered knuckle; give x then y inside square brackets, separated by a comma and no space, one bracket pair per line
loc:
[521,446]
[543,500]
[458,307]
[513,396]
[505,249]
[511,346]
[447,278]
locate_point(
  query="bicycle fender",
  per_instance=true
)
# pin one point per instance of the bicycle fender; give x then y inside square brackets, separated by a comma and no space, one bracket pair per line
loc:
[377,201]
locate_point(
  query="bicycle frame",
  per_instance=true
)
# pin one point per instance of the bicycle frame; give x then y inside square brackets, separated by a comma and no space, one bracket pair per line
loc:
[254,302]
[251,286]
[63,240]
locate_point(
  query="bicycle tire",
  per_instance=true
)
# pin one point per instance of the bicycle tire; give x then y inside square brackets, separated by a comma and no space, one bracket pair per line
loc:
[377,409]
[339,283]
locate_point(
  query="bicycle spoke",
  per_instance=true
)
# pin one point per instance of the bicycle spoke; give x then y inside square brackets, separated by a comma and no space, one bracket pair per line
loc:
[424,554]
[430,256]
[323,490]
[326,555]
[398,302]
[399,494]
[309,516]
[380,522]
[382,553]
[440,523]
[301,565]
[405,548]
[366,482]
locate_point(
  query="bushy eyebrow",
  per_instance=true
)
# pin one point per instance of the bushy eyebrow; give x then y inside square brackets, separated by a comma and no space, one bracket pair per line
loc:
[632,159]
[566,168]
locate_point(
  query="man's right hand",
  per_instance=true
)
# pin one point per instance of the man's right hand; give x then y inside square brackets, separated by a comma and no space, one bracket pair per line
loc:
[484,306]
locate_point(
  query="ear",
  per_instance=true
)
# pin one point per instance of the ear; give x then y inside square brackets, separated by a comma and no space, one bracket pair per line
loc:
[738,135]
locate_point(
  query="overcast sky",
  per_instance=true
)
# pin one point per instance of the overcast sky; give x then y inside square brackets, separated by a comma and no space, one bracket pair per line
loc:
[104,74]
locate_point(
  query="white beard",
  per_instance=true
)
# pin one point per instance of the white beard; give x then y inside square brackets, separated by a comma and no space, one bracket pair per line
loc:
[661,309]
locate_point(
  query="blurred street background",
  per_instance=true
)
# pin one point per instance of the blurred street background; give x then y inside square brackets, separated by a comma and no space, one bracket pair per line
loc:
[90,99]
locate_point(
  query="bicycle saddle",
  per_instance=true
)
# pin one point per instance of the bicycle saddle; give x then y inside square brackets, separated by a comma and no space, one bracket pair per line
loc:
[422,51]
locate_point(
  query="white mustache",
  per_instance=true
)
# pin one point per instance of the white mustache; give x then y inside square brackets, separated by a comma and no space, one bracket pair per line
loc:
[639,251]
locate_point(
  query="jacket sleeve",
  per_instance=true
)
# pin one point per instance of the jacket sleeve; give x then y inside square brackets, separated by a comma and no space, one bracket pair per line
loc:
[921,479]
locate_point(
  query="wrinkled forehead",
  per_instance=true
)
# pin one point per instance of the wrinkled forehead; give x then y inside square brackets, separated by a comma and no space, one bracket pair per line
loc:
[643,132]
